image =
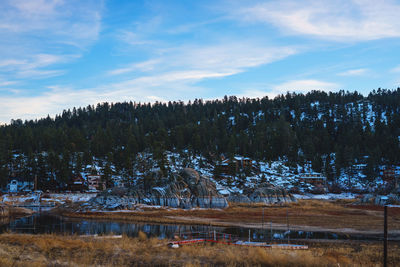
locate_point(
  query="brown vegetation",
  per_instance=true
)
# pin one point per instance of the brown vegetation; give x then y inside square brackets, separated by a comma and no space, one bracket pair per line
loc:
[58,250]
[14,212]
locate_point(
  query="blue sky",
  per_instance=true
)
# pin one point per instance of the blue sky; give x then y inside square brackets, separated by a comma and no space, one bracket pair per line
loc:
[59,54]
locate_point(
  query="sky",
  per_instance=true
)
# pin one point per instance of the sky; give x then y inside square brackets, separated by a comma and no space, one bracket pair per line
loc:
[60,54]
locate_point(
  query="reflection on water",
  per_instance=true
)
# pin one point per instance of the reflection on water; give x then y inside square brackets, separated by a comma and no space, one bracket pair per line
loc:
[44,223]
[4,221]
[284,235]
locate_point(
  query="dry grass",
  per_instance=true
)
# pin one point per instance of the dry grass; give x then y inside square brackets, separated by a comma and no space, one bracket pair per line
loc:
[58,250]
[317,213]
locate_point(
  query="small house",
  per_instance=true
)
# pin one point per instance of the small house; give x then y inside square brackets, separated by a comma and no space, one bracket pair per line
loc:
[19,185]
[314,178]
[13,186]
[388,174]
[94,183]
[78,184]
[232,166]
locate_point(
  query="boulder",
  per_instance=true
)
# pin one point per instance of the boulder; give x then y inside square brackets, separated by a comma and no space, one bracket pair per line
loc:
[267,195]
[188,189]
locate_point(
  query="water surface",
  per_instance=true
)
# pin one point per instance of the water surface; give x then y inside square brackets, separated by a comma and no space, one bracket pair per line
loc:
[41,223]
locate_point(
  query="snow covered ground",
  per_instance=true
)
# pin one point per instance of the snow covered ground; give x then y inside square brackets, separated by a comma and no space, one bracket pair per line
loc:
[60,198]
[73,197]
[328,196]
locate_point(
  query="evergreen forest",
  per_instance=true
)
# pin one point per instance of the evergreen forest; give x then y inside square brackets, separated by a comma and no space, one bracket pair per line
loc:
[330,130]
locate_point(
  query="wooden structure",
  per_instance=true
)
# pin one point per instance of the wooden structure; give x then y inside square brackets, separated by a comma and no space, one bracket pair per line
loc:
[94,183]
[227,239]
[20,185]
[78,184]
[234,165]
[314,178]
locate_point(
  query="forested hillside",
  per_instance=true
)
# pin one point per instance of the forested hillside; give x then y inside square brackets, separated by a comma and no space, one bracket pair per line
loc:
[330,130]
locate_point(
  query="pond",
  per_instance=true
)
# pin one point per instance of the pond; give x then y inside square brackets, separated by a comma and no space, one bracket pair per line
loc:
[41,223]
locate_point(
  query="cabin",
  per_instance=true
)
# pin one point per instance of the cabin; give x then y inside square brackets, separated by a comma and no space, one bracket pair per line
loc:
[388,174]
[13,186]
[94,183]
[17,185]
[314,178]
[78,184]
[391,175]
[359,167]
[232,166]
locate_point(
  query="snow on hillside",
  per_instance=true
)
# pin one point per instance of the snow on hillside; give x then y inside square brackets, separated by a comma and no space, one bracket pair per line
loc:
[262,173]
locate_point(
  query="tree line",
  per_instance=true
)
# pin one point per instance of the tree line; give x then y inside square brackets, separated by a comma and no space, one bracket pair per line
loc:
[331,130]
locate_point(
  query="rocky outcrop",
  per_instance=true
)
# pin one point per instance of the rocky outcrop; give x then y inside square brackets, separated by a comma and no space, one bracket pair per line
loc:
[188,189]
[269,195]
[380,200]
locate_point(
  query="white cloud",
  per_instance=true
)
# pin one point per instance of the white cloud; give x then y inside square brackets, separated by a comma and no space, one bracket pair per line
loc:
[341,20]
[354,72]
[175,86]
[6,83]
[73,22]
[396,69]
[303,86]
[133,38]
[256,93]
[230,57]
[37,33]
[298,86]
[194,62]
[35,66]
[58,98]
[141,66]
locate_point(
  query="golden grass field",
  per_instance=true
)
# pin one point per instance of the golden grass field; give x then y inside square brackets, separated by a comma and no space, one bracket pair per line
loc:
[62,250]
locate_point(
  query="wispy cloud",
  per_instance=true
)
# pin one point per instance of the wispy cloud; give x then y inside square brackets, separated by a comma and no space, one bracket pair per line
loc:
[4,83]
[396,69]
[230,57]
[133,38]
[298,86]
[37,34]
[174,77]
[35,66]
[303,86]
[354,72]
[208,61]
[58,98]
[141,33]
[141,66]
[73,22]
[342,20]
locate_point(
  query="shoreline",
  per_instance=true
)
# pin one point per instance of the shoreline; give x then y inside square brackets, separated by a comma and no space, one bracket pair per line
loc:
[308,215]
[207,222]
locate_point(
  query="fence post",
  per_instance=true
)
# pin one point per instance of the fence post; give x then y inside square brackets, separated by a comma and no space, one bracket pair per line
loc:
[271,230]
[263,219]
[287,225]
[385,237]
